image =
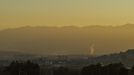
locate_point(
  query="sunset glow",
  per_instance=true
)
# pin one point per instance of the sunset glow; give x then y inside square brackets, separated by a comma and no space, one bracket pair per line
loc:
[16,13]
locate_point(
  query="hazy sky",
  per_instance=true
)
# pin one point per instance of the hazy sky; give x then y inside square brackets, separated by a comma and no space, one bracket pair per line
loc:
[15,13]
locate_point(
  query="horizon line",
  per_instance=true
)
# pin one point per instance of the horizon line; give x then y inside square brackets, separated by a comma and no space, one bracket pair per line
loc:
[29,26]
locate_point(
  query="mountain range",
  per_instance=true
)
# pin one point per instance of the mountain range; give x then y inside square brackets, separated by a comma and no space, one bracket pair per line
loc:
[68,39]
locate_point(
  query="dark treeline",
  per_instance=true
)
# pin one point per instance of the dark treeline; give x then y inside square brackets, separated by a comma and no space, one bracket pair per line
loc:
[98,69]
[21,68]
[30,68]
[111,69]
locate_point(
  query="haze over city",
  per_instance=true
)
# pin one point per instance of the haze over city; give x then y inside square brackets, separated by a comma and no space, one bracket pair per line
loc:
[66,26]
[66,37]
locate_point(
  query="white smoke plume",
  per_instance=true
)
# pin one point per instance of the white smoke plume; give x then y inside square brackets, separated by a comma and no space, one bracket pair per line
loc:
[92,49]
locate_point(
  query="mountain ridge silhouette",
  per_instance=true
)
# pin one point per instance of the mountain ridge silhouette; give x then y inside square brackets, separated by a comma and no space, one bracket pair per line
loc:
[68,39]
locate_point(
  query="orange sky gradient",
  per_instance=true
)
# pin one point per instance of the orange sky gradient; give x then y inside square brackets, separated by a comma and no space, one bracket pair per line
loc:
[16,13]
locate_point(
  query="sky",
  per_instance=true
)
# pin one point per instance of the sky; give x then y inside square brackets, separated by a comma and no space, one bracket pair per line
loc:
[16,13]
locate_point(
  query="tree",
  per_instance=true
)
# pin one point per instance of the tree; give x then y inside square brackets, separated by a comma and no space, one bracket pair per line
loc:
[61,71]
[123,71]
[92,70]
[23,68]
[111,69]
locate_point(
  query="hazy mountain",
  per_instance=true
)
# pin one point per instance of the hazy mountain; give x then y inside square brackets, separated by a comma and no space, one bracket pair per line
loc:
[9,53]
[68,40]
[15,53]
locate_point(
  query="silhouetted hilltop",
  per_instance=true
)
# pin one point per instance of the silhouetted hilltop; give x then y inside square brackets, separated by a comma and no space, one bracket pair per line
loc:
[123,57]
[68,40]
